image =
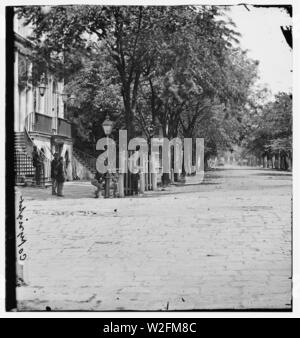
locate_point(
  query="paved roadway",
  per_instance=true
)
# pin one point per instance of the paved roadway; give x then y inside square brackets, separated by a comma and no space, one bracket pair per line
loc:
[224,244]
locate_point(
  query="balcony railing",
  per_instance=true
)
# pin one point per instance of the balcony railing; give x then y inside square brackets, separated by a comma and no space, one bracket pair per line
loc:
[64,127]
[46,124]
[43,123]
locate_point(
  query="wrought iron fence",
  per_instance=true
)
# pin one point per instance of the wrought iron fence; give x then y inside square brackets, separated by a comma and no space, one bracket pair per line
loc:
[23,166]
[25,172]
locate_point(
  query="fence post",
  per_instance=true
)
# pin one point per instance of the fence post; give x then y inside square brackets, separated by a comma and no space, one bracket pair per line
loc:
[154,181]
[153,174]
[107,185]
[172,175]
[142,182]
[146,182]
[150,181]
[121,185]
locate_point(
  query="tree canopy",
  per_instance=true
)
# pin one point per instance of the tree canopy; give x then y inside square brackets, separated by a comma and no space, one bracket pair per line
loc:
[178,67]
[269,127]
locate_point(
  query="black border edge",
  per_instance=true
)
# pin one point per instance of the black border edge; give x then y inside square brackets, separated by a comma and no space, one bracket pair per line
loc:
[10,232]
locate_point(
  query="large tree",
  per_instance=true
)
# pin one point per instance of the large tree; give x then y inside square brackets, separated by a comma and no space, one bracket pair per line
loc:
[182,48]
[127,33]
[177,67]
[269,127]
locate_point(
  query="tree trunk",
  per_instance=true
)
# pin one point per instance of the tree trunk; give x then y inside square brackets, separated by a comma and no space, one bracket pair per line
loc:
[265,161]
[165,179]
[129,120]
[273,162]
[206,166]
[289,163]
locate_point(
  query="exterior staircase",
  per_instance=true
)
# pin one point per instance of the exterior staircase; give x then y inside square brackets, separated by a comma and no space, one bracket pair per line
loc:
[19,141]
[24,170]
[86,160]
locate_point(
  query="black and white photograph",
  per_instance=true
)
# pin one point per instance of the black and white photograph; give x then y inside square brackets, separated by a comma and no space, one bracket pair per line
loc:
[149,157]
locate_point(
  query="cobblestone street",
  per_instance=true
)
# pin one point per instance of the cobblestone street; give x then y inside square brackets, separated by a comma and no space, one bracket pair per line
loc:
[224,244]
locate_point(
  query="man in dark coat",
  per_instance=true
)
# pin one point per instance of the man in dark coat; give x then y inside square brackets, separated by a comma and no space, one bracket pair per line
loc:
[98,182]
[54,164]
[37,163]
[60,177]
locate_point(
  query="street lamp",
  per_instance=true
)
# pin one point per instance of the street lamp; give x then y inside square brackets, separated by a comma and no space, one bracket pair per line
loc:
[72,99]
[42,85]
[107,126]
[66,99]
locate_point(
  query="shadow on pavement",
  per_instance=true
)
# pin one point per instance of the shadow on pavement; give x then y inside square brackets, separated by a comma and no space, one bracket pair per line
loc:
[273,174]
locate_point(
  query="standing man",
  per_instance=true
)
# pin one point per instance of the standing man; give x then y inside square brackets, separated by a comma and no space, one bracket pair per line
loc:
[60,177]
[37,163]
[135,183]
[54,164]
[98,182]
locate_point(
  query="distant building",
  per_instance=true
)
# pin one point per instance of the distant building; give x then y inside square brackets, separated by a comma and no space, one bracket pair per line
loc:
[39,115]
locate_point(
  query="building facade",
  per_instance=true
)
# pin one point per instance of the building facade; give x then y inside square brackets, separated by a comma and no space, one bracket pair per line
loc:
[39,115]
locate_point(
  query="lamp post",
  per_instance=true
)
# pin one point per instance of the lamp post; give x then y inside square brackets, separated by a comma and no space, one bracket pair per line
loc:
[107,126]
[153,174]
[42,85]
[72,99]
[66,99]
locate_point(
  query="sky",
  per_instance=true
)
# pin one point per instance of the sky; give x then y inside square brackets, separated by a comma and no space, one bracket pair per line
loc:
[262,37]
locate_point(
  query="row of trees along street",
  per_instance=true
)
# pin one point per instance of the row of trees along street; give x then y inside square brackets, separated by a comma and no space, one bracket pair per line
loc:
[268,131]
[180,69]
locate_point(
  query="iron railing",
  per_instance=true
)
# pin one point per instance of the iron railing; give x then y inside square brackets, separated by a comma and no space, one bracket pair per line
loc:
[64,127]
[46,124]
[88,160]
[25,171]
[23,166]
[43,123]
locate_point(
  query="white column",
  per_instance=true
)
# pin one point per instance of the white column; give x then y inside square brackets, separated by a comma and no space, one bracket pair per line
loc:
[22,108]
[61,112]
[50,93]
[142,182]
[121,185]
[38,100]
[30,103]
[153,173]
[42,103]
[46,99]
[30,110]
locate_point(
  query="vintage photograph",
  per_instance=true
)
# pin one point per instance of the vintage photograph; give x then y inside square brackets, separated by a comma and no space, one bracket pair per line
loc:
[152,157]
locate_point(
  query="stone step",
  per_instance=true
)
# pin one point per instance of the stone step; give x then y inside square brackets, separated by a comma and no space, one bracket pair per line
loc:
[19,141]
